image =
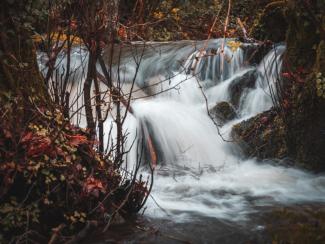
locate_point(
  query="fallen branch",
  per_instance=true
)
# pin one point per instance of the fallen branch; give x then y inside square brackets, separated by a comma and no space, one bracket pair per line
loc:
[242,28]
[56,234]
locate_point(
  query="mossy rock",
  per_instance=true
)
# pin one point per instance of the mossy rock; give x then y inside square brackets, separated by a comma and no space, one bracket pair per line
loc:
[262,136]
[223,112]
[254,54]
[237,87]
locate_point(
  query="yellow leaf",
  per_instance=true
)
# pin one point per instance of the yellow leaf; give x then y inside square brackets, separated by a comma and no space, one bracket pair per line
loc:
[234,45]
[175,10]
[158,15]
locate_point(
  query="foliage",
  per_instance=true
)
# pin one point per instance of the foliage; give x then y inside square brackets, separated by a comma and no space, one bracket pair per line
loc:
[270,23]
[320,85]
[295,126]
[176,20]
[303,61]
[262,136]
[51,175]
[234,45]
[183,19]
[27,13]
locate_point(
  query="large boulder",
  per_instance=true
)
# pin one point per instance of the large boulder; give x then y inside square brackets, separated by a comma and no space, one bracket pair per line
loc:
[238,85]
[262,136]
[223,112]
[255,52]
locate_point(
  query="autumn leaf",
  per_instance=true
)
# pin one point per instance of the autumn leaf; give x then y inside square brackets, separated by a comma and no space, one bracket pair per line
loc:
[158,15]
[76,140]
[38,147]
[286,75]
[73,25]
[27,137]
[122,33]
[286,104]
[264,120]
[93,186]
[233,45]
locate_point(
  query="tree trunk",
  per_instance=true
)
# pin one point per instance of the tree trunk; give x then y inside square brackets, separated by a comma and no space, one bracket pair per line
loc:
[305,58]
[19,72]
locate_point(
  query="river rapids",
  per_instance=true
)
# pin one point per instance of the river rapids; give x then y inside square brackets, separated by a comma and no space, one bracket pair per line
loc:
[199,173]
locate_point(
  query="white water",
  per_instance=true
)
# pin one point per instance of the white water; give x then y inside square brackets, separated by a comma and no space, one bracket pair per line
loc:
[199,174]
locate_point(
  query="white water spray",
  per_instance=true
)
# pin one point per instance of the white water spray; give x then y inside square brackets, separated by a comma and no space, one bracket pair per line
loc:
[198,173]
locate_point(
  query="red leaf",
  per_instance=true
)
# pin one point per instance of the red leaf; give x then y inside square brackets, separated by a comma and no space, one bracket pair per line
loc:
[301,70]
[59,151]
[286,75]
[38,147]
[76,140]
[264,120]
[122,33]
[73,25]
[27,137]
[93,186]
[286,104]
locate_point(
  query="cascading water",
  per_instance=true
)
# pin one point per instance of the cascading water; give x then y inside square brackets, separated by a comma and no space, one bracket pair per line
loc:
[260,98]
[198,173]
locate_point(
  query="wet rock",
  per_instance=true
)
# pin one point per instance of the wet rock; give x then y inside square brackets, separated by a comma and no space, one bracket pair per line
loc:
[262,136]
[254,53]
[223,112]
[237,87]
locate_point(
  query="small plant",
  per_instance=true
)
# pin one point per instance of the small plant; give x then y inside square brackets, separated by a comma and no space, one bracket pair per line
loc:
[320,85]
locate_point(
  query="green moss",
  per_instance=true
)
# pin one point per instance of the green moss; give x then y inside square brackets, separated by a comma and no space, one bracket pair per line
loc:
[262,136]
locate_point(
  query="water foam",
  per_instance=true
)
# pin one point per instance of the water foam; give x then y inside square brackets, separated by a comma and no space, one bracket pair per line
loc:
[199,173]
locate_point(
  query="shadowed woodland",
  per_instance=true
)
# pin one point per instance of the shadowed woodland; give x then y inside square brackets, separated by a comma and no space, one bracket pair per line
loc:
[70,163]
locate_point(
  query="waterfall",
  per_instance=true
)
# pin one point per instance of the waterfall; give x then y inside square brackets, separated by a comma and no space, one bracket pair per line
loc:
[259,99]
[198,171]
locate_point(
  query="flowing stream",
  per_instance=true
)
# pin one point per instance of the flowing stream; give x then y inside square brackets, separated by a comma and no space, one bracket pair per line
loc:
[200,177]
[199,173]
